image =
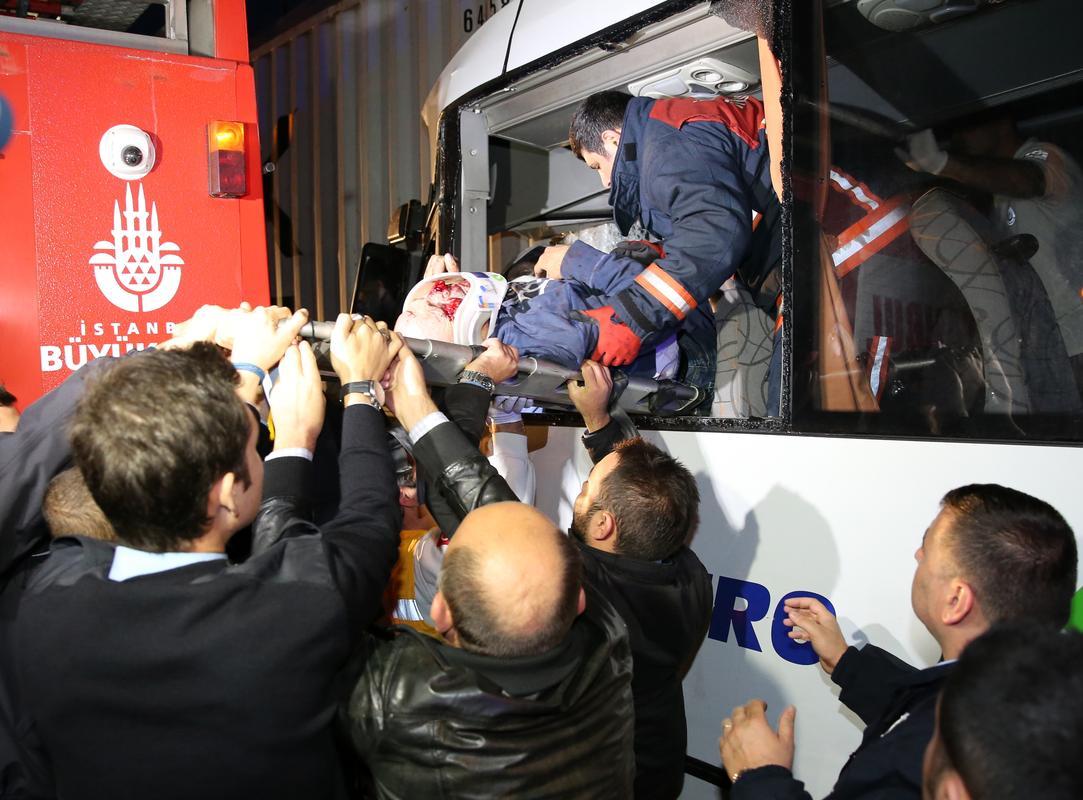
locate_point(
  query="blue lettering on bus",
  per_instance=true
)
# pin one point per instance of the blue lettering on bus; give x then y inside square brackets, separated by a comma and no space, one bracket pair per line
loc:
[757,602]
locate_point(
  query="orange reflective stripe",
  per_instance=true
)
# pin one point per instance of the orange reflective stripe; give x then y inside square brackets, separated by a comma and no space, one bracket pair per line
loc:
[870,235]
[667,291]
[859,193]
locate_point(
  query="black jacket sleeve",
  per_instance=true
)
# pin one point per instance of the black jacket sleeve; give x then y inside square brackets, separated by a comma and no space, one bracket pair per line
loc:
[869,678]
[362,540]
[459,473]
[287,497]
[30,458]
[768,783]
[467,406]
[601,442]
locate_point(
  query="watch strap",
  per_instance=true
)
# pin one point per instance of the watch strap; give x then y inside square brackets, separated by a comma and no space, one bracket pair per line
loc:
[478,379]
[362,387]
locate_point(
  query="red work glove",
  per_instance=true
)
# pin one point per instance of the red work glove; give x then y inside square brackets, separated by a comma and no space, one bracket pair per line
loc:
[617,343]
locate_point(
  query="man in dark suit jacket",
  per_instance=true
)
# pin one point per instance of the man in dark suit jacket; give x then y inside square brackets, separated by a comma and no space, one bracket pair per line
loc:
[29,459]
[991,555]
[155,668]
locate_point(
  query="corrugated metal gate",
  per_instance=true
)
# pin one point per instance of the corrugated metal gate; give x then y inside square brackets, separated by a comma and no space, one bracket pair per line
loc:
[340,100]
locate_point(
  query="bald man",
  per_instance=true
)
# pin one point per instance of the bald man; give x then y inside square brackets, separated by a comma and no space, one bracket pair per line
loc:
[528,693]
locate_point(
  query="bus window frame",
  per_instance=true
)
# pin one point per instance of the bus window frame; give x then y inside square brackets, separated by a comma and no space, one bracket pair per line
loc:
[800,231]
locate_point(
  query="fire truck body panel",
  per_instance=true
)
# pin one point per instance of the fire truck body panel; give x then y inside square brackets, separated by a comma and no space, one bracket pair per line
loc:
[97,265]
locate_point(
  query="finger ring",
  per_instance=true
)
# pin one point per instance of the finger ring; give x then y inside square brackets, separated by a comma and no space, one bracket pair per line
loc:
[727,724]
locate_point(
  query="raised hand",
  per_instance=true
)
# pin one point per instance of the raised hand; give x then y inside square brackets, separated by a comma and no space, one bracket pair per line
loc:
[407,393]
[499,361]
[438,265]
[362,350]
[810,620]
[297,401]
[591,398]
[260,336]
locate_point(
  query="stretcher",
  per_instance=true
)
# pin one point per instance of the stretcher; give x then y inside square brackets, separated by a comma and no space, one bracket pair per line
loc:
[542,382]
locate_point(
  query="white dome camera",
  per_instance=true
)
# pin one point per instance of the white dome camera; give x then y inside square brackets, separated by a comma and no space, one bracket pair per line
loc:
[127,152]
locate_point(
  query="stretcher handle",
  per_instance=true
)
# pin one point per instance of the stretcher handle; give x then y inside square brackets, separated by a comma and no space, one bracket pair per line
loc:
[543,381]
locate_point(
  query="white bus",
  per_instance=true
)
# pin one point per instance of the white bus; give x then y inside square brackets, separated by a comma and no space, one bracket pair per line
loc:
[911,370]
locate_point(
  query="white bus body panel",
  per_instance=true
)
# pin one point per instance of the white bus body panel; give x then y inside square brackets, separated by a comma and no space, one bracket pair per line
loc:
[836,516]
[546,26]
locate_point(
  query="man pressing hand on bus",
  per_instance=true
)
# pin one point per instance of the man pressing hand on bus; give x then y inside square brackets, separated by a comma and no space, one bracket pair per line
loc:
[991,555]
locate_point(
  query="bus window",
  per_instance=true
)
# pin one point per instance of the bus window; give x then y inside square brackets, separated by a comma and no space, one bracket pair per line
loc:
[938,278]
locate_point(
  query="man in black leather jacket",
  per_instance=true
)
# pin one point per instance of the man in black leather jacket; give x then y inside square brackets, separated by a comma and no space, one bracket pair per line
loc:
[529,693]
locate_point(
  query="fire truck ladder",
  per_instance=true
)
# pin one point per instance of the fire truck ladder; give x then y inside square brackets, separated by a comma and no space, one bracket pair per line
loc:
[543,382]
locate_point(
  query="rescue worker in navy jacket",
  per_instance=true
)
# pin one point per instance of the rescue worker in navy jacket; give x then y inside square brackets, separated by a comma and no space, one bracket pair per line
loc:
[692,172]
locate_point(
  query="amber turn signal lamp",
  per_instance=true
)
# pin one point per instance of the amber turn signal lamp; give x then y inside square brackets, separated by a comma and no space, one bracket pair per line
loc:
[225,160]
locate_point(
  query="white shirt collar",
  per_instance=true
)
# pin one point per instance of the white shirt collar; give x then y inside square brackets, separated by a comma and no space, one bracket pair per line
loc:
[131,563]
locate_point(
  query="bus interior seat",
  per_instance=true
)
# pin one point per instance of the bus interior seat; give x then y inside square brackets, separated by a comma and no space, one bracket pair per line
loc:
[1025,363]
[745,337]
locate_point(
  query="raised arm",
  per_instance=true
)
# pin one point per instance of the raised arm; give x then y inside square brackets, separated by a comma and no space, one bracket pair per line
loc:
[297,406]
[466,404]
[456,470]
[591,399]
[868,677]
[30,458]
[362,540]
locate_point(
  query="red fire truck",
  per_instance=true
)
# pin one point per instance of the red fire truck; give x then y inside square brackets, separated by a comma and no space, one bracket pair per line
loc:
[130,181]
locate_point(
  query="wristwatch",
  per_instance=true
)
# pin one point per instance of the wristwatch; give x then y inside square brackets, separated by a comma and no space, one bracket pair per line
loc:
[478,379]
[368,389]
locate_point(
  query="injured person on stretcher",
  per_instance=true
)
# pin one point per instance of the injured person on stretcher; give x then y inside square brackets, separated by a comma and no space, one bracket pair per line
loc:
[555,320]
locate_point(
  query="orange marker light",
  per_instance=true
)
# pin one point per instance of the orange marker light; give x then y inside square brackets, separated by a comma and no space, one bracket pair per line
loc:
[225,160]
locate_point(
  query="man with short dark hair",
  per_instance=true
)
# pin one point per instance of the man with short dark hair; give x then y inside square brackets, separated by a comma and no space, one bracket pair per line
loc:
[528,693]
[153,667]
[1010,719]
[692,172]
[645,505]
[633,520]
[991,555]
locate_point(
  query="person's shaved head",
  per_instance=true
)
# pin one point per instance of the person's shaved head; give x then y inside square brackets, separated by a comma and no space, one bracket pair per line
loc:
[511,581]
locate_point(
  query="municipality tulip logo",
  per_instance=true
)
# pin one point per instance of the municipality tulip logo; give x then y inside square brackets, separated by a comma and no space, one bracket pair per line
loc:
[137,271]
